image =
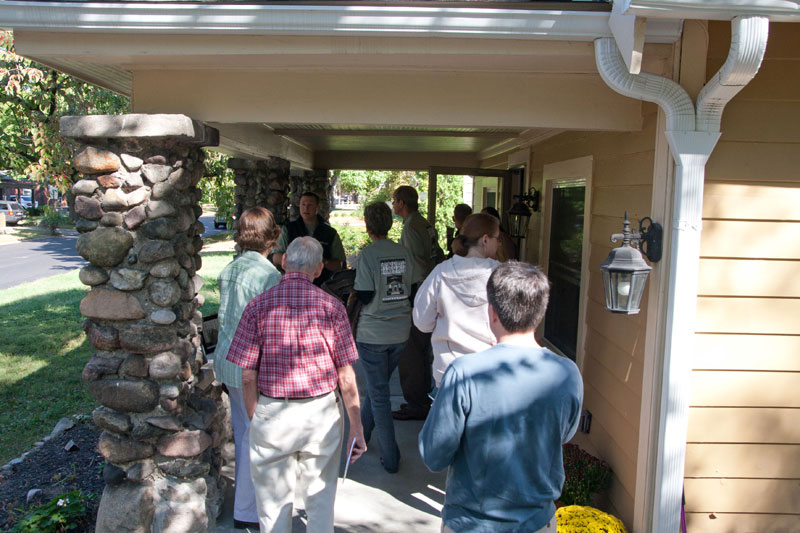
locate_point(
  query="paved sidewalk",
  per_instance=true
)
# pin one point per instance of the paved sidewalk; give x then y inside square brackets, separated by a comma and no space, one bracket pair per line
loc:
[371,500]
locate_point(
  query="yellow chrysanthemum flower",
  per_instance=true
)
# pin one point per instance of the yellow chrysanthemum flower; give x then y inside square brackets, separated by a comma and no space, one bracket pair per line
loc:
[579,519]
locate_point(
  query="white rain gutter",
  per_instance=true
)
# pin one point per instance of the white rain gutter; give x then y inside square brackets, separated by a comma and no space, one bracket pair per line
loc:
[308,19]
[692,135]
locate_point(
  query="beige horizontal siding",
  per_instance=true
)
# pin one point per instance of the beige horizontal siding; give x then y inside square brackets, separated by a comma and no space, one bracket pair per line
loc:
[748,352]
[748,315]
[744,495]
[751,201]
[780,461]
[749,161]
[742,523]
[739,425]
[745,389]
[750,239]
[753,277]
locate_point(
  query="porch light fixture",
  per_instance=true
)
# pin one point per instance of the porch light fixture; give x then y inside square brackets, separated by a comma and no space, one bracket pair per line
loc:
[625,271]
[520,213]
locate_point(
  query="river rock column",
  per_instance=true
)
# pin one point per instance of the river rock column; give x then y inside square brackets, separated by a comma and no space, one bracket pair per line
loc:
[137,204]
[262,182]
[316,181]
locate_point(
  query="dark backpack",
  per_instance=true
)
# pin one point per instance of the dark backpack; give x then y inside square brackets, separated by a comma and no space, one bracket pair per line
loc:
[340,285]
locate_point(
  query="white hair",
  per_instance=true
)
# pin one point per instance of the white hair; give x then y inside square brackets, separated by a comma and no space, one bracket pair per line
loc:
[304,254]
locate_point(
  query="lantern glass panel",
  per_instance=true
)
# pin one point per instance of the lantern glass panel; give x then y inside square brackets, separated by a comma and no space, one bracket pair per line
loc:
[624,290]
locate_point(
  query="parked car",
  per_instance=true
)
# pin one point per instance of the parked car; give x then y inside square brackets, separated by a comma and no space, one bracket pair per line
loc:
[13,211]
[221,220]
[26,201]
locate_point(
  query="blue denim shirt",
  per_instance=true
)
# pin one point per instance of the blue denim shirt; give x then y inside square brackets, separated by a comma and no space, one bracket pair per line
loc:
[239,282]
[498,422]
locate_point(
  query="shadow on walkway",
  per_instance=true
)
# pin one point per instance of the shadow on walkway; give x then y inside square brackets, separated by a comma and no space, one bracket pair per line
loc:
[373,501]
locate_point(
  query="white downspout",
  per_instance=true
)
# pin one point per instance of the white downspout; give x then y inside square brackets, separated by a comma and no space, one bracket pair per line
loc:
[692,136]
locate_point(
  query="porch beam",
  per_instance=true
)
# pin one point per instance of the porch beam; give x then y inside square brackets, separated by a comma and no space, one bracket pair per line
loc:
[518,100]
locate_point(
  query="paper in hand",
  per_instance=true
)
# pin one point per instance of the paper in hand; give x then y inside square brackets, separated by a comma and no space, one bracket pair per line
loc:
[349,455]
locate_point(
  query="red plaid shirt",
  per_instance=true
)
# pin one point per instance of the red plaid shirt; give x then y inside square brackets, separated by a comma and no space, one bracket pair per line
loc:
[296,336]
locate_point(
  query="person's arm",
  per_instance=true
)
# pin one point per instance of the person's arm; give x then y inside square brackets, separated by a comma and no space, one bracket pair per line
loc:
[365,283]
[365,297]
[349,391]
[280,247]
[426,305]
[441,435]
[337,259]
[250,391]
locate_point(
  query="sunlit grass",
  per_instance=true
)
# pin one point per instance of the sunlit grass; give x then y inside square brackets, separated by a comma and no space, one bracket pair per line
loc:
[43,351]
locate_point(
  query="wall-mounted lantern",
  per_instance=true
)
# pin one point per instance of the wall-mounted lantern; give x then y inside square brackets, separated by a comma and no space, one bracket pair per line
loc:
[520,213]
[625,271]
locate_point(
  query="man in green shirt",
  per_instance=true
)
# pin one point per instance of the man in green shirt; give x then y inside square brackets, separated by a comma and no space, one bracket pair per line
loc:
[239,282]
[311,224]
[420,238]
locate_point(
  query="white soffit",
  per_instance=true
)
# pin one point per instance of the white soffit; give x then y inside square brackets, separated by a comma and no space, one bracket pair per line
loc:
[775,10]
[284,19]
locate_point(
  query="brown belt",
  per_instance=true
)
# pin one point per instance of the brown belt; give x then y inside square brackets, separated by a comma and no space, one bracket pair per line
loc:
[291,398]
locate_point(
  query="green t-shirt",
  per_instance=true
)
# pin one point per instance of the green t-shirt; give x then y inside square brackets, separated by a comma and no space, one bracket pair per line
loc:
[337,250]
[388,269]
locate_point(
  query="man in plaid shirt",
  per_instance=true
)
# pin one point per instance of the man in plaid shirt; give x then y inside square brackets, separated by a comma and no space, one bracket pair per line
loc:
[295,346]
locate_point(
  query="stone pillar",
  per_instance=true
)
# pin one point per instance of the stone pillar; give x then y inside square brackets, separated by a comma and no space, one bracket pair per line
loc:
[316,181]
[262,182]
[138,206]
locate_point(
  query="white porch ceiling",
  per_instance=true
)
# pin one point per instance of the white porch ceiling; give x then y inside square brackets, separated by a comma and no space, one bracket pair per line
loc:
[263,56]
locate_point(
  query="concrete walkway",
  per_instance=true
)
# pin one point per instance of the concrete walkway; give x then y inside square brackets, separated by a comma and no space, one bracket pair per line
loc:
[371,500]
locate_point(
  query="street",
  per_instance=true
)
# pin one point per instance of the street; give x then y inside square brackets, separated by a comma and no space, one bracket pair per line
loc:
[39,258]
[43,257]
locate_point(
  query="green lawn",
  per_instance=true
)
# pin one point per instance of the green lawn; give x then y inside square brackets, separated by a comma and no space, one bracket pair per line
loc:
[43,351]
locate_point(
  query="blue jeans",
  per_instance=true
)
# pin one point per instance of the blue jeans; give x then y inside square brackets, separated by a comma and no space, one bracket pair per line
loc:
[377,362]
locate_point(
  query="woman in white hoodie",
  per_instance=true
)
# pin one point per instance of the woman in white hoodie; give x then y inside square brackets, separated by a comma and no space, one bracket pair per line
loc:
[452,302]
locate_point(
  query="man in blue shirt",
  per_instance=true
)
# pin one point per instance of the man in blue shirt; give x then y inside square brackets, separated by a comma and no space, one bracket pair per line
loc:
[502,415]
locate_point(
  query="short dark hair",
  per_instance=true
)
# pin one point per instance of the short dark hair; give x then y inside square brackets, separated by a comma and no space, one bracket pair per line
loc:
[518,292]
[461,211]
[312,195]
[378,218]
[489,210]
[256,230]
[408,195]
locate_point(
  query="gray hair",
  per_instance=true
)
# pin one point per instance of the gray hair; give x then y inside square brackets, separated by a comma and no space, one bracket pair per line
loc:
[304,254]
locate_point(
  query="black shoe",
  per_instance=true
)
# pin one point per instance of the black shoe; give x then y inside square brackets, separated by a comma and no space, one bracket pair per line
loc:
[390,470]
[238,524]
[406,413]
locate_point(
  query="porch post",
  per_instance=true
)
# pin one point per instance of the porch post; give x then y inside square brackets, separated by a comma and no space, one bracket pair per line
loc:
[138,206]
[261,182]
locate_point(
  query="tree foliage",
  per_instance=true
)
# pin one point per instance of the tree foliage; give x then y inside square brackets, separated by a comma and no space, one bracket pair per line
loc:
[217,184]
[32,100]
[378,185]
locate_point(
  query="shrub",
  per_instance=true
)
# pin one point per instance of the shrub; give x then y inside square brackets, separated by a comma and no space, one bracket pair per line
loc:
[585,475]
[53,219]
[63,513]
[578,519]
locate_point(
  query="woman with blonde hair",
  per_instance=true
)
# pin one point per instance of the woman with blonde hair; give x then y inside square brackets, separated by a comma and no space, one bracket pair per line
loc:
[239,282]
[452,300]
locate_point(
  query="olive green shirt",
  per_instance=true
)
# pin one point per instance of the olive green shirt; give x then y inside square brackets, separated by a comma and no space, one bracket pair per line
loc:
[419,237]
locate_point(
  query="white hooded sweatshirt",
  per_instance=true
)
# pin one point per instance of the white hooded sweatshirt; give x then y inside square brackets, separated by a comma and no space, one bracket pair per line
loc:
[452,304]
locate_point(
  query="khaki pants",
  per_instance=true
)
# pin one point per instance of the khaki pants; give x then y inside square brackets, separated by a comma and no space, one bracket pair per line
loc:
[549,528]
[295,442]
